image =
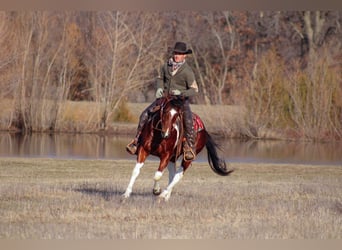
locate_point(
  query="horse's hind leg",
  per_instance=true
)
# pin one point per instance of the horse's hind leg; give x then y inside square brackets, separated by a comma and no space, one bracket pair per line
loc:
[177,177]
[166,194]
[171,167]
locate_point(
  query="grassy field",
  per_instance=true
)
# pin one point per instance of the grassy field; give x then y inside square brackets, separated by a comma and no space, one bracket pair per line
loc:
[81,199]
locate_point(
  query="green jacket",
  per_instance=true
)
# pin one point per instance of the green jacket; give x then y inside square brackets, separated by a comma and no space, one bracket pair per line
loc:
[184,80]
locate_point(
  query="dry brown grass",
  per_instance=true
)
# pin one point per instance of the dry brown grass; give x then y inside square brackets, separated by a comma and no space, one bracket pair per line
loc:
[85,116]
[81,199]
[227,120]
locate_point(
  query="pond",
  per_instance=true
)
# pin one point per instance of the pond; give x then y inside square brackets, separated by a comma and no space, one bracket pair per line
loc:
[94,146]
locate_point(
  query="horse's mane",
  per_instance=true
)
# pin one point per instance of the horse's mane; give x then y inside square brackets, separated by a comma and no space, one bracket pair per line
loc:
[176,101]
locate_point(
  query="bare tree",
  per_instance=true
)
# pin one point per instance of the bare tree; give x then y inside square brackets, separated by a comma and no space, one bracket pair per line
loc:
[124,56]
[212,43]
[109,57]
[39,45]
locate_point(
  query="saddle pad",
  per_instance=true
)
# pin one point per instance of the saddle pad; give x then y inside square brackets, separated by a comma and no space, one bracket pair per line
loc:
[198,123]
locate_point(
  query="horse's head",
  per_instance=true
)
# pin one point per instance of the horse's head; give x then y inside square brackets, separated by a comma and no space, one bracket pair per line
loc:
[170,110]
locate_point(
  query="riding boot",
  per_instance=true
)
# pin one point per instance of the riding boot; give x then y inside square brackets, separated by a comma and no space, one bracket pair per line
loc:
[189,146]
[133,145]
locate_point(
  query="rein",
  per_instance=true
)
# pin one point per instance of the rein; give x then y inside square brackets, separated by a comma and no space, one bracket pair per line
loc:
[155,127]
[165,101]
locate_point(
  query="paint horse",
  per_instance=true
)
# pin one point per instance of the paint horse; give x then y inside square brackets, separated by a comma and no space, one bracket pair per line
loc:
[162,136]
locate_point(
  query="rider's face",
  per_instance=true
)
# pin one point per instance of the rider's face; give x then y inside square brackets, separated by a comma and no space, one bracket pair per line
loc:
[178,57]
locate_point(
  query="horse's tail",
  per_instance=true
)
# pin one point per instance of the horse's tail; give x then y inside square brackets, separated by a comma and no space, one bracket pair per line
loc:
[217,164]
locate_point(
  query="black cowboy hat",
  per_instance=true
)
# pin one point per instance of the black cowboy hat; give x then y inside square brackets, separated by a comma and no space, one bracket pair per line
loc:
[180,48]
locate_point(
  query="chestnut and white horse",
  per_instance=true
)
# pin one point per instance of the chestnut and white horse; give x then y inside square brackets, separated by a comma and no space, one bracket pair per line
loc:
[162,136]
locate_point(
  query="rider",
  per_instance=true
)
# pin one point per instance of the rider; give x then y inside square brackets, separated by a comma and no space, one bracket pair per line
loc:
[176,78]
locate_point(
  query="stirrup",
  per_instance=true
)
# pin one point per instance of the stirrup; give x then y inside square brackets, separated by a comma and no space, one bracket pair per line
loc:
[132,147]
[189,155]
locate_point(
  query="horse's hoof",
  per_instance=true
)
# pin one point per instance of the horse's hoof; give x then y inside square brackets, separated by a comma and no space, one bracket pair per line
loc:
[124,197]
[162,200]
[165,196]
[156,191]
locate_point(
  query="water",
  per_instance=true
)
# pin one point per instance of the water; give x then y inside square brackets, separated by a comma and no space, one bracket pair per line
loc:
[91,146]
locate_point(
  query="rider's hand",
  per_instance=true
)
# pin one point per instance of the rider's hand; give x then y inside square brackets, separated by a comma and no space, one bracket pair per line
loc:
[176,92]
[159,92]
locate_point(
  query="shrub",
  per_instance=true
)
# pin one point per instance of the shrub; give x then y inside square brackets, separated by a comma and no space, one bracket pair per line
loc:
[315,95]
[268,102]
[123,114]
[304,101]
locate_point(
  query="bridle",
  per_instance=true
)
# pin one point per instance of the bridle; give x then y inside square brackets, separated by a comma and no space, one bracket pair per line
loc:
[166,101]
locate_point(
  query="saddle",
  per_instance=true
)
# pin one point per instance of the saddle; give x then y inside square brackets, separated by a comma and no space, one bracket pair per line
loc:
[197,122]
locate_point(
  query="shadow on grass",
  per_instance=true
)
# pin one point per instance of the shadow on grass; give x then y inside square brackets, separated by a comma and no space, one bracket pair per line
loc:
[109,193]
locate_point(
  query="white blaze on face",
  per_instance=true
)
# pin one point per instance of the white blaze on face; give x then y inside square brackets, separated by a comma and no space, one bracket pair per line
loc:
[173,112]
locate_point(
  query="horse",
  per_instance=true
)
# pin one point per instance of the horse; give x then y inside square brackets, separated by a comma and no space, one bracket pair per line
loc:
[163,136]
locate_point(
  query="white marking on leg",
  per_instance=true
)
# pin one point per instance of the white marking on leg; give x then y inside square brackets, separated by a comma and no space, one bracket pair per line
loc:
[178,176]
[158,175]
[135,174]
[156,187]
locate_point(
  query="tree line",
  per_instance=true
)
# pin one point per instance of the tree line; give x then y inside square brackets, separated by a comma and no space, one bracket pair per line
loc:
[284,66]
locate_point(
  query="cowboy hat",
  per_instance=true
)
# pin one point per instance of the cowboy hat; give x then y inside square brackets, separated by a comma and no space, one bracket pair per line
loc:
[180,48]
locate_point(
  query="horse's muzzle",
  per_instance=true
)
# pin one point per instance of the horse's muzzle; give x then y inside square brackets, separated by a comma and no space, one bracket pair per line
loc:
[165,134]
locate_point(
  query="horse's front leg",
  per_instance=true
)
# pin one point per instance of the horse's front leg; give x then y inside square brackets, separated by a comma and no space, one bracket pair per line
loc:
[134,176]
[171,166]
[156,186]
[159,173]
[135,173]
